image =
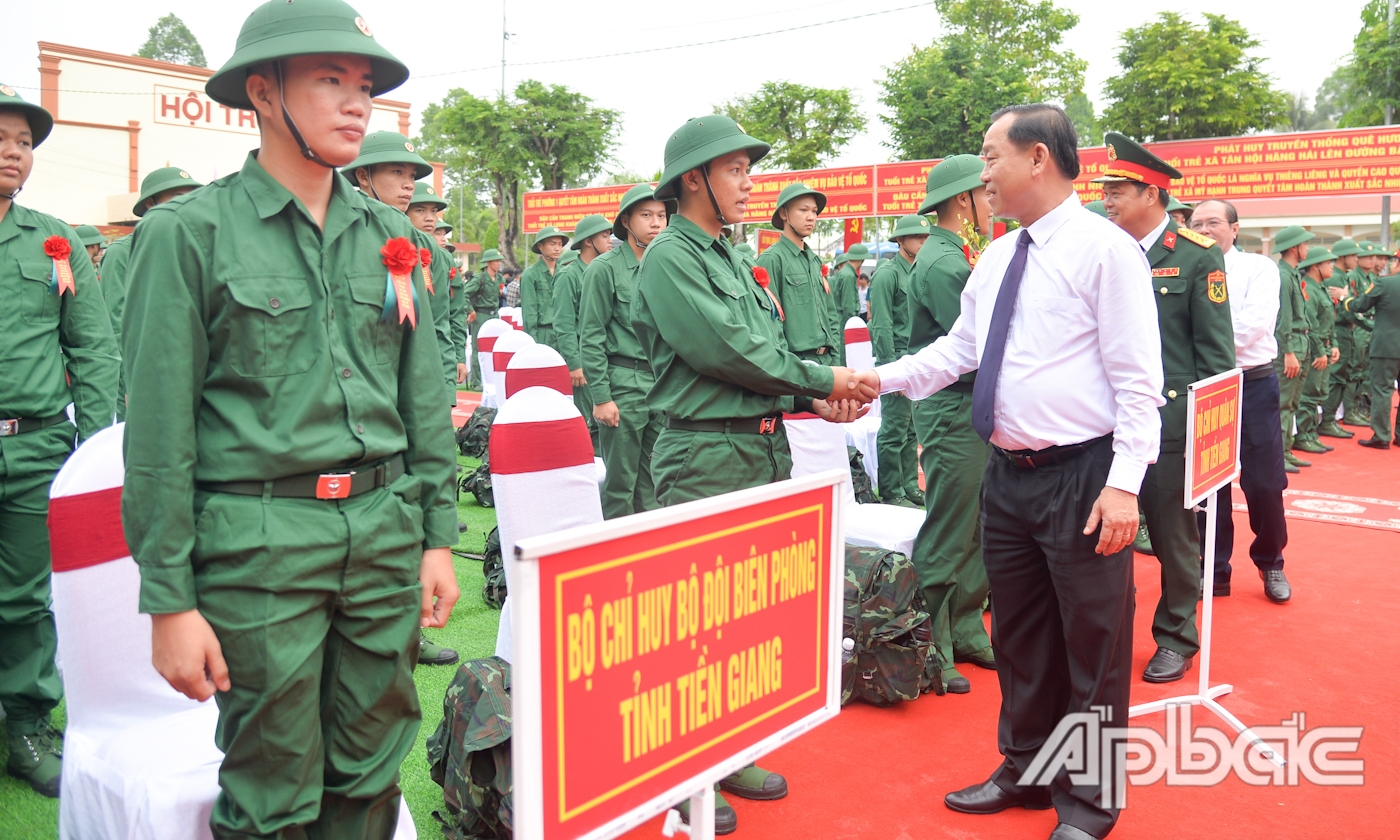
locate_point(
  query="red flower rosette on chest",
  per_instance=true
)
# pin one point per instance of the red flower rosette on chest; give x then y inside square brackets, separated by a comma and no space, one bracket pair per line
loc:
[825,285]
[425,257]
[400,257]
[57,248]
[760,276]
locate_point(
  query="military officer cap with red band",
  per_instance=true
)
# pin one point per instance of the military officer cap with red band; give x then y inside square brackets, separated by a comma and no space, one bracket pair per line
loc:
[1129,161]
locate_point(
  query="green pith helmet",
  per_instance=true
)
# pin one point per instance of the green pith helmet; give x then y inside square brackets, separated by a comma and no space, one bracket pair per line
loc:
[548,233]
[567,257]
[914,225]
[792,192]
[1315,256]
[1366,248]
[1097,207]
[490,254]
[1344,248]
[1173,204]
[89,235]
[1129,161]
[856,253]
[423,193]
[387,147]
[590,225]
[157,182]
[1294,235]
[699,141]
[953,176]
[746,249]
[281,29]
[40,120]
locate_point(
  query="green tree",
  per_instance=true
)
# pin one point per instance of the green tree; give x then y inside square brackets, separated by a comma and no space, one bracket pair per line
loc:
[994,53]
[1298,115]
[1181,80]
[1369,79]
[806,126]
[569,139]
[170,40]
[626,176]
[1081,112]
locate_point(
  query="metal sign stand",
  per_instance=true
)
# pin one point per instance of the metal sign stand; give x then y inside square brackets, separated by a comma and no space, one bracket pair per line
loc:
[702,817]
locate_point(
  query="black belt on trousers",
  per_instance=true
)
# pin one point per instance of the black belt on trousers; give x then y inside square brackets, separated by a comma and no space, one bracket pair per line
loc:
[350,481]
[1259,372]
[20,425]
[634,364]
[1029,459]
[741,426]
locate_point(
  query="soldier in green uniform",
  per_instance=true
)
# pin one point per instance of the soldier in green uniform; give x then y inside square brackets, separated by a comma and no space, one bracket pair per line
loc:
[459,307]
[1340,390]
[1381,296]
[1369,264]
[1317,269]
[55,322]
[614,361]
[592,238]
[1097,208]
[948,548]
[288,493]
[747,250]
[1291,246]
[795,278]
[537,285]
[92,240]
[158,187]
[1180,213]
[712,335]
[845,286]
[1198,341]
[483,295]
[895,445]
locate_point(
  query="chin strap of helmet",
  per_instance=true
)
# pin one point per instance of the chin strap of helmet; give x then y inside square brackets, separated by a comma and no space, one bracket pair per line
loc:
[306,151]
[714,202]
[976,218]
[11,196]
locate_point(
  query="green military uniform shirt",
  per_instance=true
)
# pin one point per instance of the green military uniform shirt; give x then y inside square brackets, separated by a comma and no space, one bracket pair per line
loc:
[1291,331]
[458,308]
[537,301]
[568,286]
[795,278]
[846,291]
[483,294]
[439,304]
[112,275]
[47,339]
[935,291]
[711,333]
[1318,305]
[605,317]
[1381,296]
[889,309]
[262,354]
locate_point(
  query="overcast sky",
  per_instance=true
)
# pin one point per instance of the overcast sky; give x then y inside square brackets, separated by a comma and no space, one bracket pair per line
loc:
[657,91]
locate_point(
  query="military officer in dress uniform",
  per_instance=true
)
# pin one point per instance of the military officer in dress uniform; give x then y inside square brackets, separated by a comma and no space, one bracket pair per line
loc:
[537,285]
[1341,392]
[712,335]
[897,459]
[845,285]
[483,295]
[796,279]
[1316,269]
[1368,268]
[592,238]
[1198,341]
[56,340]
[948,549]
[288,493]
[1382,296]
[1291,246]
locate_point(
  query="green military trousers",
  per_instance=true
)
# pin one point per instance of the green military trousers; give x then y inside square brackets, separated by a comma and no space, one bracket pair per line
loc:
[948,549]
[698,465]
[583,401]
[627,448]
[1361,379]
[1310,404]
[896,448]
[545,335]
[1341,384]
[1177,544]
[1290,395]
[29,683]
[1383,374]
[316,605]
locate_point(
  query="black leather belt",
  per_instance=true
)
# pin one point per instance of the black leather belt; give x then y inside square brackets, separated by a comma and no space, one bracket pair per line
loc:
[634,364]
[1028,459]
[20,425]
[821,351]
[1259,372]
[328,485]
[742,426]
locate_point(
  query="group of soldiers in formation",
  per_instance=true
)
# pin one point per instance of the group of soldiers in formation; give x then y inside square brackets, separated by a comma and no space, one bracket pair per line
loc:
[261,336]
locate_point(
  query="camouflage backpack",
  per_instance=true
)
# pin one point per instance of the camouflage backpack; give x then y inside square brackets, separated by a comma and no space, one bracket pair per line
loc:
[476,433]
[860,479]
[478,483]
[469,753]
[893,657]
[493,592]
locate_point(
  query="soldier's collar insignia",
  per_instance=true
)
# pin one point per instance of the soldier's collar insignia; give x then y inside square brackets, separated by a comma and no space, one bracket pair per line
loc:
[1112,152]
[1169,241]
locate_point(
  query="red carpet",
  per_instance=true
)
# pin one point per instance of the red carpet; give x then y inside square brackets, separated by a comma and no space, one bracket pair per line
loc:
[1331,653]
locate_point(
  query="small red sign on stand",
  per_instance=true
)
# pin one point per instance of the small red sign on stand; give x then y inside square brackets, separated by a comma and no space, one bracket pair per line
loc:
[1212,434]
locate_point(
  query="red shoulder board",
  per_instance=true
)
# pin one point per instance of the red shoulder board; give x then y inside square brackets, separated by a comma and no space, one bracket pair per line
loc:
[1169,241]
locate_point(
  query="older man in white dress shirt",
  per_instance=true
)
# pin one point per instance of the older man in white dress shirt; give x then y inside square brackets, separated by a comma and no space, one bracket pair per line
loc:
[1059,321]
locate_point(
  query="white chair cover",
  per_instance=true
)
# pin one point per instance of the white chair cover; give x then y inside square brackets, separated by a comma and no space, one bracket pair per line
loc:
[542,475]
[507,345]
[139,759]
[486,337]
[538,365]
[862,433]
[511,315]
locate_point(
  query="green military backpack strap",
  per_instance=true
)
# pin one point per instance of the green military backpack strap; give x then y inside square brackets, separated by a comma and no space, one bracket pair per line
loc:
[792,192]
[388,147]
[699,141]
[469,753]
[159,181]
[40,120]
[953,176]
[887,646]
[423,193]
[590,225]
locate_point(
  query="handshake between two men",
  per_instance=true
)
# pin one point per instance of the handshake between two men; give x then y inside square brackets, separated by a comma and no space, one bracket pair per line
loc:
[852,392]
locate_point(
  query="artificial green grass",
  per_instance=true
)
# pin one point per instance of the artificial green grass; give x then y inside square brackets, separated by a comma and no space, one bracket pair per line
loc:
[25,815]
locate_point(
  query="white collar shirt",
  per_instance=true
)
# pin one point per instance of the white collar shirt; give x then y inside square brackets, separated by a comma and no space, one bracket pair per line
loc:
[1083,354]
[1150,239]
[1252,281]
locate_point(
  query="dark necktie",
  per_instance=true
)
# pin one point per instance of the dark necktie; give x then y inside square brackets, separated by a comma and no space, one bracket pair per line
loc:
[984,390]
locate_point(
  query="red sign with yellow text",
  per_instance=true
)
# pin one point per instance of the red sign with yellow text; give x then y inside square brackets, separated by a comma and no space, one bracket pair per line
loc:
[899,187]
[848,191]
[564,208]
[767,238]
[1212,434]
[664,652]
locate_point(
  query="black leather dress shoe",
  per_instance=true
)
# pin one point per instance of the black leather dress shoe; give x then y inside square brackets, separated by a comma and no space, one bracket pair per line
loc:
[1065,831]
[1276,586]
[1373,443]
[1166,666]
[990,798]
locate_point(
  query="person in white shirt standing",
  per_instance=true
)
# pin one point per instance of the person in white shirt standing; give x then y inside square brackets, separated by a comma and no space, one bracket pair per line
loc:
[1060,324]
[1253,281]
